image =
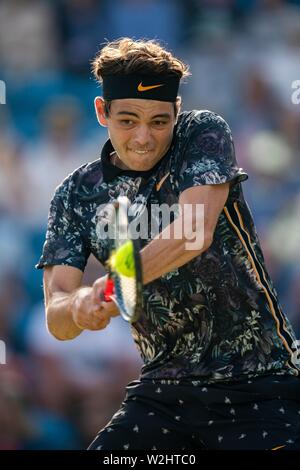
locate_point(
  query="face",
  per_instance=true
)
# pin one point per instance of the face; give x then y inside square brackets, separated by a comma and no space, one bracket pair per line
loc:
[140,131]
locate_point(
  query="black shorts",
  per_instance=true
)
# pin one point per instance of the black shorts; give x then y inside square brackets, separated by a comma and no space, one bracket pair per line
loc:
[260,414]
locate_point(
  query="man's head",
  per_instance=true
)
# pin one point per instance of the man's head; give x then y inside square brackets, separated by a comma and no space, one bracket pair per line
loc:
[140,104]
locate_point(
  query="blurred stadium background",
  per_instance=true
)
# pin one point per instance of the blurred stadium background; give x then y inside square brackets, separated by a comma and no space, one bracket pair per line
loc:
[244,56]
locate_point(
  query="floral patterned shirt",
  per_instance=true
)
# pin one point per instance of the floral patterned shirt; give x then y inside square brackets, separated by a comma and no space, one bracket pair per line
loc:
[216,318]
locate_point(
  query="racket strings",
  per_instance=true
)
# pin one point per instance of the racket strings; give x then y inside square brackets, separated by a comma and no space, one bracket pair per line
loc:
[126,293]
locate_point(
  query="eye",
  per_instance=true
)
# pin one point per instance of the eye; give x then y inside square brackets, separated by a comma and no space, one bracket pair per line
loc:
[126,122]
[159,123]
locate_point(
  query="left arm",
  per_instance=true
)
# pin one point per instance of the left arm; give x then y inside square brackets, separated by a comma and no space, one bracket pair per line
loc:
[161,255]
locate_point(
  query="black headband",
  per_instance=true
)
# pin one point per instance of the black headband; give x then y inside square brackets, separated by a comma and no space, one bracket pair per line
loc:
[145,87]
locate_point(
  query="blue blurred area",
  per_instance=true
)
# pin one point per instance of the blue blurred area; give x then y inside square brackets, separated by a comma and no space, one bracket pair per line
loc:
[244,56]
[27,100]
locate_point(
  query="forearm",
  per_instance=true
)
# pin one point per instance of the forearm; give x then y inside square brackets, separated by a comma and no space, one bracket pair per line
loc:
[59,317]
[163,255]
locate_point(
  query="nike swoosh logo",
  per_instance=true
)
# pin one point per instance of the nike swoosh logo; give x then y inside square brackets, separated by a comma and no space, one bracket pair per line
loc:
[146,88]
[160,183]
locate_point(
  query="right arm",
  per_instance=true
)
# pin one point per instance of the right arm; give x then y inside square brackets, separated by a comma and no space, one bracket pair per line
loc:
[71,308]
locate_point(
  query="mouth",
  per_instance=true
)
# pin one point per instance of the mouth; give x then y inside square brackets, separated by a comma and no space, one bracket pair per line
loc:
[141,152]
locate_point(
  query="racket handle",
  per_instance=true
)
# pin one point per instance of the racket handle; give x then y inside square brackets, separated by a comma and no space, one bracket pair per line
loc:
[109,290]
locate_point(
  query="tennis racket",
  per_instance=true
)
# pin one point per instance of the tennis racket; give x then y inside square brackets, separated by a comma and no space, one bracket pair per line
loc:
[124,283]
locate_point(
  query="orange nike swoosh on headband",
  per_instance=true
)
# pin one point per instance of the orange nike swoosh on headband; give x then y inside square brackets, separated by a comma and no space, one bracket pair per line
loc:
[145,88]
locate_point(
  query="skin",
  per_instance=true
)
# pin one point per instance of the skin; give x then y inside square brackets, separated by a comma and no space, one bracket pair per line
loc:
[141,131]
[140,136]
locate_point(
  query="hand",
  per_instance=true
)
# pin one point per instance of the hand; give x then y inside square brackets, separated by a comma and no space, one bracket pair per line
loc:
[89,311]
[109,307]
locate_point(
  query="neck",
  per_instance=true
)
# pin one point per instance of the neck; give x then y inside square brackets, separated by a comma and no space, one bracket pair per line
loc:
[116,161]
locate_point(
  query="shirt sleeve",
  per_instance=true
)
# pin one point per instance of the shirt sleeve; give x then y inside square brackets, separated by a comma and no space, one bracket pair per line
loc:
[209,157]
[64,244]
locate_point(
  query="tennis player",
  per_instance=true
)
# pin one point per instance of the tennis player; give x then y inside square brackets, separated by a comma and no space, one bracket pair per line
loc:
[220,357]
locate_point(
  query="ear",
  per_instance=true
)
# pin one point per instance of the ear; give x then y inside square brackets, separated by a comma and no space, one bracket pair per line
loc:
[178,107]
[99,108]
[178,104]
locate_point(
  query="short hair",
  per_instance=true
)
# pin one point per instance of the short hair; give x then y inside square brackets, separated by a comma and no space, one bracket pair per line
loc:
[126,55]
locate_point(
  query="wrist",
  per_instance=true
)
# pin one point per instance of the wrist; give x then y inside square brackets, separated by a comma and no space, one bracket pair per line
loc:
[73,307]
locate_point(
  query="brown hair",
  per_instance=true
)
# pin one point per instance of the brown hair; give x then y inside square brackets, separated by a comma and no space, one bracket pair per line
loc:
[126,55]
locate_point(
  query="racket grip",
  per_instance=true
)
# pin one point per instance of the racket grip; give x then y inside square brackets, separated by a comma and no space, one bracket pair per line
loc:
[109,290]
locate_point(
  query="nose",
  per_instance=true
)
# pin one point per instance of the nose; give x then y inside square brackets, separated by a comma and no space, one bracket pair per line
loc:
[142,136]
